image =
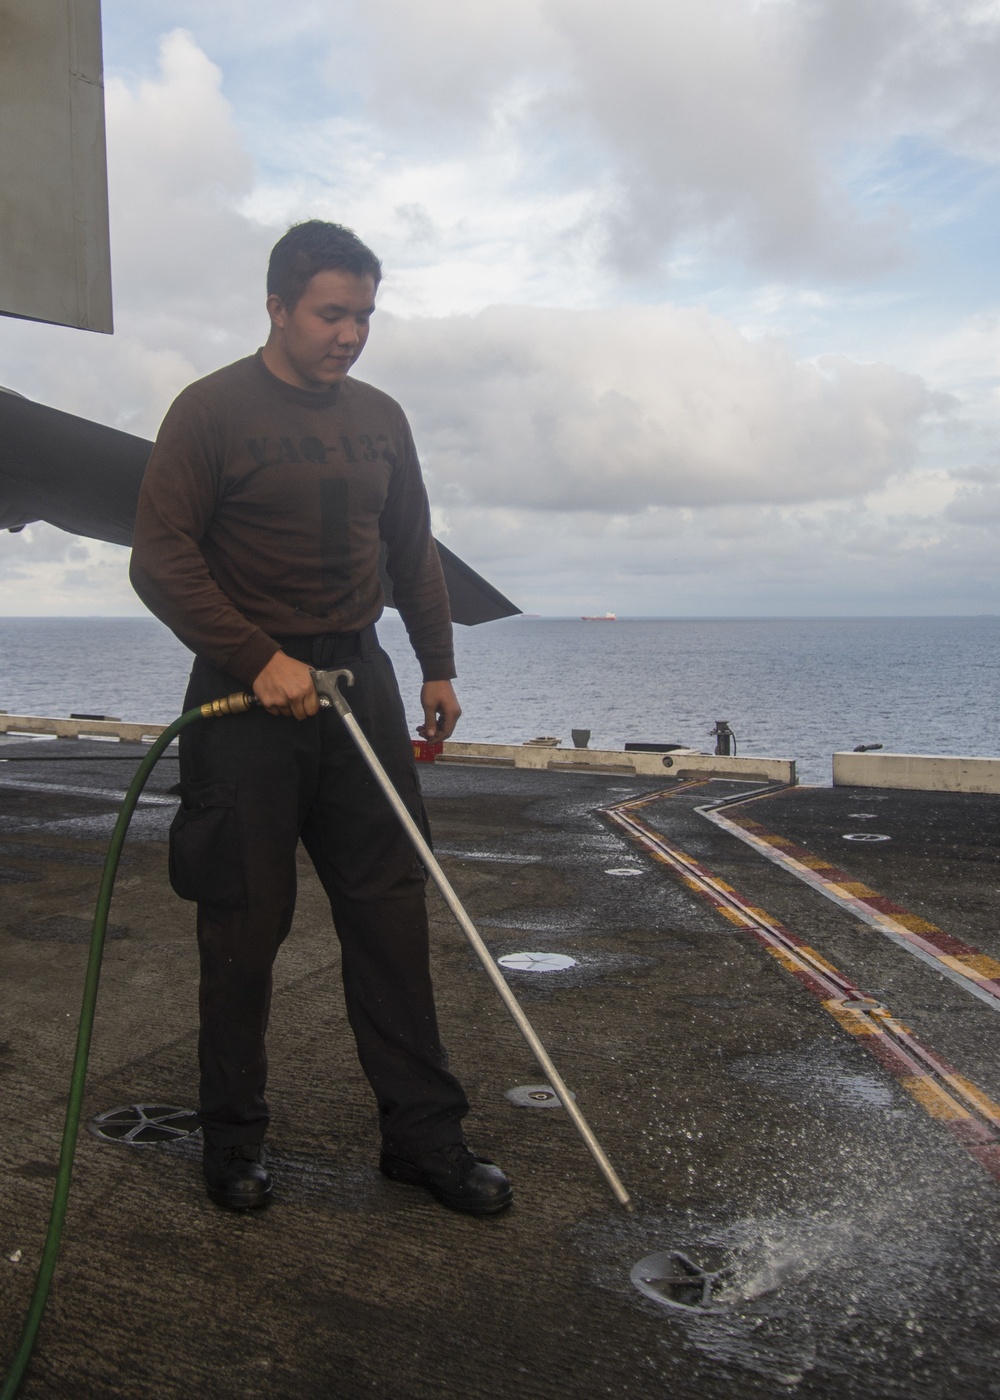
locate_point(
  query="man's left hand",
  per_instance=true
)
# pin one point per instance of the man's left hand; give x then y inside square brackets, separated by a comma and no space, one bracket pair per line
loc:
[441,710]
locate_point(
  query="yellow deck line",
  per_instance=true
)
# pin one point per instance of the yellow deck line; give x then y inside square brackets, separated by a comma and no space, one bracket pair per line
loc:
[929,1089]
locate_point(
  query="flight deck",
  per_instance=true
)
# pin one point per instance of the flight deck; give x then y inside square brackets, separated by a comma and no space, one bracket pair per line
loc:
[775,1005]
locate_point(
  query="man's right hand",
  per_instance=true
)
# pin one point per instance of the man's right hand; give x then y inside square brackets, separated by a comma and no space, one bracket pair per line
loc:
[285,687]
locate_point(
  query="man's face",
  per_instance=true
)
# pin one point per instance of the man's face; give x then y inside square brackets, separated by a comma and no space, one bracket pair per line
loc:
[319,340]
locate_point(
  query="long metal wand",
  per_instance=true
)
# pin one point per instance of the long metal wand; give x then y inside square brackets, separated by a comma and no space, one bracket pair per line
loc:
[331,697]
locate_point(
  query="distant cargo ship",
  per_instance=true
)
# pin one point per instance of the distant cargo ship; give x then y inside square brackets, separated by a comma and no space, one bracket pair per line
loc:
[604,617]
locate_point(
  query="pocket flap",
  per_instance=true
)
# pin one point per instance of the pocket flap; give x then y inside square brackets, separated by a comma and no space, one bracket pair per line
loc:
[196,796]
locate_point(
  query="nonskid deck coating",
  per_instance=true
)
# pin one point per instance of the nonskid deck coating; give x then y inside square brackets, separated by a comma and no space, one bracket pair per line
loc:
[977,972]
[710,1076]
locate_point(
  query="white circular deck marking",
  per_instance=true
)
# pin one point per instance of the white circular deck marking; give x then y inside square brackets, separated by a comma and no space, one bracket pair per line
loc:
[865,836]
[862,816]
[537,962]
[624,870]
[534,1096]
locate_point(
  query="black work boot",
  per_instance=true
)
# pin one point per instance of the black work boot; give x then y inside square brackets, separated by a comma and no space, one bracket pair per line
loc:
[236,1176]
[454,1176]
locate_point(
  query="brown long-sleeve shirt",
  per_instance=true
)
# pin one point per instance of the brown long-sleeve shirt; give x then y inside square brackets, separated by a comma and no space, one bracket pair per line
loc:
[261,514]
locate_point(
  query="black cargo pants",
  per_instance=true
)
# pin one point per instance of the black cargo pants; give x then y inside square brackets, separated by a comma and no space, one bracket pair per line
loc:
[252,785]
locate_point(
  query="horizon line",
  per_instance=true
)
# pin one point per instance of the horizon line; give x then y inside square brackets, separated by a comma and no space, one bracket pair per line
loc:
[571,617]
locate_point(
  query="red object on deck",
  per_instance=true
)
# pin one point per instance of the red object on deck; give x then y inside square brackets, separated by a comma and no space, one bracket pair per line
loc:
[427,750]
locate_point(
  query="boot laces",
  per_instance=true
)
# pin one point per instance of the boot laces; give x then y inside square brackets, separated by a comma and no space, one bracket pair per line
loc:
[459,1156]
[241,1152]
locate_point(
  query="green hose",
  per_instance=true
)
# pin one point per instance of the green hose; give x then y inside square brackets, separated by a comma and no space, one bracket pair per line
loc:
[50,1250]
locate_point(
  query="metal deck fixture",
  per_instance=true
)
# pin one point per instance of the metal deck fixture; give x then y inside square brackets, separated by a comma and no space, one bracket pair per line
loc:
[675,1281]
[533,1096]
[537,962]
[144,1124]
[624,870]
[865,836]
[725,739]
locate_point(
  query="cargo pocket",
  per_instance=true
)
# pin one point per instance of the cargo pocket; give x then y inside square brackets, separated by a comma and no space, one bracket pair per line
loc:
[205,862]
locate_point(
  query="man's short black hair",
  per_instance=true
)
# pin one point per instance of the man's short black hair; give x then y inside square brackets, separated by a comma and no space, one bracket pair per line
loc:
[315,246]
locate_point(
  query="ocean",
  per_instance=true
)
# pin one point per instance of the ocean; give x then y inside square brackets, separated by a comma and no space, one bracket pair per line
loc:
[790,687]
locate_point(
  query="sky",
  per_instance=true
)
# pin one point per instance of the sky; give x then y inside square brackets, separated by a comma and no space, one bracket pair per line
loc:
[693,305]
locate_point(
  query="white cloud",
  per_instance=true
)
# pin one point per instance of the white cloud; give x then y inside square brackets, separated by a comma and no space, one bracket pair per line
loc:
[452,60]
[581,451]
[45,572]
[977,502]
[735,561]
[622,409]
[727,119]
[177,166]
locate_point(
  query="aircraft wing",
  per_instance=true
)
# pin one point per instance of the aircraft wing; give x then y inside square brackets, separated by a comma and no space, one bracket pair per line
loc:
[85,478]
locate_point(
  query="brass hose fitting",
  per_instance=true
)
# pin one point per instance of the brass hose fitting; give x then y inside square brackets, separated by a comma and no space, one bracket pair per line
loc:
[236,704]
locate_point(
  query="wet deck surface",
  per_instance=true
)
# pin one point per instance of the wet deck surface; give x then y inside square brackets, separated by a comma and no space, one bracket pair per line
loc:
[751,1128]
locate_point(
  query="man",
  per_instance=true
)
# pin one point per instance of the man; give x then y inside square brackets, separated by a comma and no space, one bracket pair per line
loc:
[270,487]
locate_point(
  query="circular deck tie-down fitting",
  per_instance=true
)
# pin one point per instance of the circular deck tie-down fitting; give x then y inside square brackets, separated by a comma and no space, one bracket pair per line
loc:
[144,1124]
[865,836]
[533,1096]
[536,962]
[675,1281]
